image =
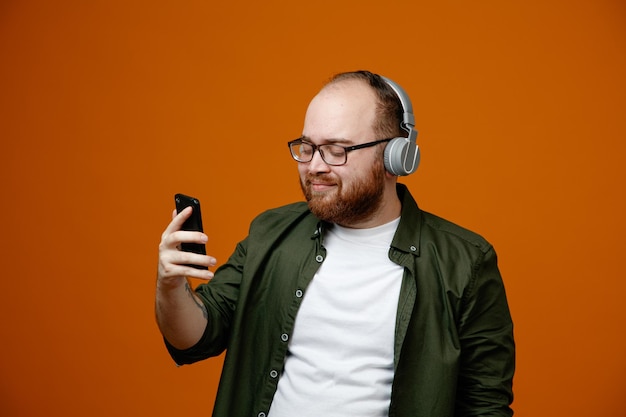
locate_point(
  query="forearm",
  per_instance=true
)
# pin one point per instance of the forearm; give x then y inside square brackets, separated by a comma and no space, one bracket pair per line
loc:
[180,314]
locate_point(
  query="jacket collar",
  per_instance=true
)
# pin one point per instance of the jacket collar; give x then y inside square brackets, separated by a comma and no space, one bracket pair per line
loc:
[407,237]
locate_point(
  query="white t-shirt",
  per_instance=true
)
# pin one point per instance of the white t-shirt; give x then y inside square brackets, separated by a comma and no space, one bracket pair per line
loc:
[340,360]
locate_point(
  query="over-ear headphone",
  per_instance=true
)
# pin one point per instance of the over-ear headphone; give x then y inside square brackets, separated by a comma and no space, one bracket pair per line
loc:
[402,155]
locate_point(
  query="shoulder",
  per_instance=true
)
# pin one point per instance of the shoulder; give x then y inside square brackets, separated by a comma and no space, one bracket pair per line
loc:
[281,218]
[442,229]
[431,232]
[285,212]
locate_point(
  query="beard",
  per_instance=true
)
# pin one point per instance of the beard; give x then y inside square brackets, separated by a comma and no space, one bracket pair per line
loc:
[346,204]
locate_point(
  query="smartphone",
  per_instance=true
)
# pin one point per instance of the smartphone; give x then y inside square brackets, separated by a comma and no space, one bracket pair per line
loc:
[193,223]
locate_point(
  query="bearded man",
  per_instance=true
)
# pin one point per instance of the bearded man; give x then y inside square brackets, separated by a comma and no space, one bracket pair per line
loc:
[356,303]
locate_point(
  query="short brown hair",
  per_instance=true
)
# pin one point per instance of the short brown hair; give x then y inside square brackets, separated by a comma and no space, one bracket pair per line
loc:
[389,110]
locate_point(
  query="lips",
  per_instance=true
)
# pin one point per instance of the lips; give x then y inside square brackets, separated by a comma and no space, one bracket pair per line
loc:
[320,184]
[317,186]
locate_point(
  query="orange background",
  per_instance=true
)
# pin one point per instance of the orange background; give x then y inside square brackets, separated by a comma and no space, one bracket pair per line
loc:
[107,108]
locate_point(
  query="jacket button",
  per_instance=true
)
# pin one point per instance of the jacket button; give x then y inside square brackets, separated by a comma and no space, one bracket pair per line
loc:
[413,248]
[273,373]
[319,258]
[284,337]
[299,293]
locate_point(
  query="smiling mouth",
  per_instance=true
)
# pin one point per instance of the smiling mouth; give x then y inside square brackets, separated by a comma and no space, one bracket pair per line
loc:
[321,186]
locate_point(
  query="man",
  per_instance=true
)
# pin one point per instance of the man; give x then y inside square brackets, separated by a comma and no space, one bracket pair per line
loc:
[356,303]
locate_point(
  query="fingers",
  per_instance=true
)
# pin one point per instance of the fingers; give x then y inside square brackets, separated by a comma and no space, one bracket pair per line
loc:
[173,263]
[172,236]
[178,219]
[177,237]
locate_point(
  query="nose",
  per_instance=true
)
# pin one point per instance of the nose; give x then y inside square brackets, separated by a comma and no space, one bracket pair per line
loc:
[317,164]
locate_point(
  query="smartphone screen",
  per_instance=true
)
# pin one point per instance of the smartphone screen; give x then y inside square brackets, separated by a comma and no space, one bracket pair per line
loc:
[193,223]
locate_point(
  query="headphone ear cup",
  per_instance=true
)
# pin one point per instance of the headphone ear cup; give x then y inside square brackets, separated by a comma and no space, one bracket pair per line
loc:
[401,156]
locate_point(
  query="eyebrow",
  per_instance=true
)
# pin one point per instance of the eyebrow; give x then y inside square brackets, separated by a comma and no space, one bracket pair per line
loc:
[332,141]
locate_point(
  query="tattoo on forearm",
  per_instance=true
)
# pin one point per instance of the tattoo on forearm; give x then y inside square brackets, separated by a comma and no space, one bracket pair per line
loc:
[200,305]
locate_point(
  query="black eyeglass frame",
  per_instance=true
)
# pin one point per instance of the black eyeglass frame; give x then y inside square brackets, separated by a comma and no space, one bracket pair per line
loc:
[318,148]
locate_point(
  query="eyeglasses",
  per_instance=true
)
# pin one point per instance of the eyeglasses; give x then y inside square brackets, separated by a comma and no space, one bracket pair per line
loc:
[331,154]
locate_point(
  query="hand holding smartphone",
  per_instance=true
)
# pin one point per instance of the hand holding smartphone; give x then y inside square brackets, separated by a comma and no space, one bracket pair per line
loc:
[193,223]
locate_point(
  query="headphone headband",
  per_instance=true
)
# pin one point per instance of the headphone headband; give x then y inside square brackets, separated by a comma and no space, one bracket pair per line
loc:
[408,119]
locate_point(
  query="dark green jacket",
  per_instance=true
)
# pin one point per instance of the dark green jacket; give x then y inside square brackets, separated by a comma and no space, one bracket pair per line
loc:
[454,349]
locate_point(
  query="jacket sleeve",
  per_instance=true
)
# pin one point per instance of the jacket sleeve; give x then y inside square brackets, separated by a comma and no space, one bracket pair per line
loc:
[220,298]
[487,345]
